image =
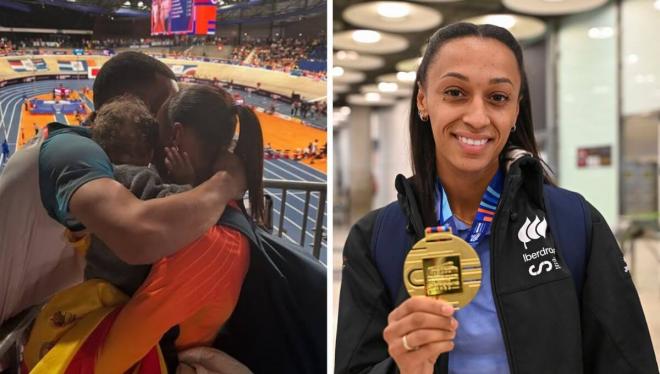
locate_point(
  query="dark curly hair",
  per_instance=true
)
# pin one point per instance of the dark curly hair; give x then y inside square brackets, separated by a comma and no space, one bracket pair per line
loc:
[126,130]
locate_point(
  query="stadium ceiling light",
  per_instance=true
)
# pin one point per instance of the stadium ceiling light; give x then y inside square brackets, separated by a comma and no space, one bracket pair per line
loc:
[501,20]
[366,36]
[345,110]
[337,71]
[127,3]
[140,4]
[372,97]
[387,87]
[601,32]
[393,9]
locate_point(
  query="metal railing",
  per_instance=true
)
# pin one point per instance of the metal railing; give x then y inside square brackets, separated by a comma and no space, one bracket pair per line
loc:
[308,187]
[11,339]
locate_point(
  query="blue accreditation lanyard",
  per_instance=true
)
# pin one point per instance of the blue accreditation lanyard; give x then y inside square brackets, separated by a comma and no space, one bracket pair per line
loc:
[485,213]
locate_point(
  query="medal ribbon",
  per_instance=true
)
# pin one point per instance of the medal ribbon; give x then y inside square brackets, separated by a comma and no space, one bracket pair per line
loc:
[485,213]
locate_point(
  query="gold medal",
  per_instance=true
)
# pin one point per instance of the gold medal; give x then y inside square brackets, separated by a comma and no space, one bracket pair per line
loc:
[443,266]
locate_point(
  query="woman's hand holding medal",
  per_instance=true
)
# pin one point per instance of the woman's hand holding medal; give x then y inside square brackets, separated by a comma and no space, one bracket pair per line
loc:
[418,331]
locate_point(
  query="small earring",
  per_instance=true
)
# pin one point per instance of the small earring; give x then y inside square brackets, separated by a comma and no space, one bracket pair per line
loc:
[513,129]
[423,117]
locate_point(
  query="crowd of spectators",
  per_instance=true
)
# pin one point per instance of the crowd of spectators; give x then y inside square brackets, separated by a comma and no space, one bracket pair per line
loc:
[280,54]
[20,41]
[283,54]
[6,46]
[241,52]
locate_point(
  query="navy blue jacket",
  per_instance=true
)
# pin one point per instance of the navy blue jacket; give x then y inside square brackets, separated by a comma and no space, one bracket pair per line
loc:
[572,311]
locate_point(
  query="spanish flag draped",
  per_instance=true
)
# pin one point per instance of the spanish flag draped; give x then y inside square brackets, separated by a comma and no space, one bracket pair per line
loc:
[71,328]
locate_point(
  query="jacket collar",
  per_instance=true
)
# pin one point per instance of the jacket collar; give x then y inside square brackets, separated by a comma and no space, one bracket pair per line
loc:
[520,166]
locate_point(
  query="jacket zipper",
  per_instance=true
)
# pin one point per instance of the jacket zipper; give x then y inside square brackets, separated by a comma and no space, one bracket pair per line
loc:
[498,304]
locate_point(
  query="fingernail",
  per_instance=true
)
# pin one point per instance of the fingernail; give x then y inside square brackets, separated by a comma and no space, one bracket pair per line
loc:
[447,309]
[454,323]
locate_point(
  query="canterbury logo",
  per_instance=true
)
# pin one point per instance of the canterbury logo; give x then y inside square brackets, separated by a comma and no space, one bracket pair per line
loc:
[532,230]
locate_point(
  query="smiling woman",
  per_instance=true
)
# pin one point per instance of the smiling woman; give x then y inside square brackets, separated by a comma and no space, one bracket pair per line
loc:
[471,98]
[479,182]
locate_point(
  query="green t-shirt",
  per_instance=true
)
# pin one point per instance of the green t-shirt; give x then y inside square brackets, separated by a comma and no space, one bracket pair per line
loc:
[68,159]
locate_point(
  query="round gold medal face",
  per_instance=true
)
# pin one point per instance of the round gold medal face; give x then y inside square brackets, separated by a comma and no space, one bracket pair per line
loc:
[443,266]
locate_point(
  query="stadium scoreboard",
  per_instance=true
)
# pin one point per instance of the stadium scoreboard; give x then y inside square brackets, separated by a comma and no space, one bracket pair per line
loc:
[187,17]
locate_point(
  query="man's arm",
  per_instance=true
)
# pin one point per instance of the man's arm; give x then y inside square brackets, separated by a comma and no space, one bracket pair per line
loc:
[142,232]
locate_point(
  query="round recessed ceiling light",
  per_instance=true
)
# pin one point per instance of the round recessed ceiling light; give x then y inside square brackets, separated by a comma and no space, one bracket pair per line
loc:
[523,28]
[349,77]
[346,55]
[366,36]
[406,76]
[392,16]
[372,97]
[337,71]
[388,87]
[552,7]
[388,43]
[369,99]
[502,20]
[393,9]
[403,79]
[355,61]
[401,91]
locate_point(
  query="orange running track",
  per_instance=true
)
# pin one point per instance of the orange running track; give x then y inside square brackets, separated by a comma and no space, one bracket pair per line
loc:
[280,133]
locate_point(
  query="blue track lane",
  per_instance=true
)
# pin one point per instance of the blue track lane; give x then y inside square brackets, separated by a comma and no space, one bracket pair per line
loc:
[11,100]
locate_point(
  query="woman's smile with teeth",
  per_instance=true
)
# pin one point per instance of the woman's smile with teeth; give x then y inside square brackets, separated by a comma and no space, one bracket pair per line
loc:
[470,141]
